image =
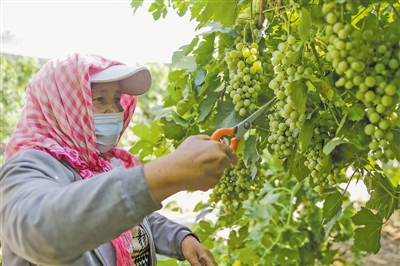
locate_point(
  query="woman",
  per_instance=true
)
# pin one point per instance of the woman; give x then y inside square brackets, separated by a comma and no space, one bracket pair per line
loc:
[70,196]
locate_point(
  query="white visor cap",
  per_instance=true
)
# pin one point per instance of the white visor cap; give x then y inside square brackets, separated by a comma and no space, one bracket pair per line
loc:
[132,80]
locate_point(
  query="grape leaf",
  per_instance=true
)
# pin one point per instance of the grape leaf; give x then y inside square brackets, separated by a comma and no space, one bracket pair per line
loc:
[317,16]
[172,130]
[395,144]
[237,238]
[305,25]
[184,105]
[206,106]
[381,190]
[173,206]
[345,153]
[331,145]
[326,165]
[361,16]
[371,22]
[144,133]
[176,74]
[299,95]
[224,12]
[158,8]
[250,154]
[141,131]
[187,62]
[306,134]
[332,205]
[200,77]
[184,50]
[356,112]
[179,54]
[300,171]
[286,255]
[342,123]
[314,83]
[135,4]
[367,237]
[203,213]
[351,132]
[196,9]
[142,148]
[225,40]
[179,119]
[393,28]
[225,116]
[329,225]
[269,199]
[204,51]
[211,81]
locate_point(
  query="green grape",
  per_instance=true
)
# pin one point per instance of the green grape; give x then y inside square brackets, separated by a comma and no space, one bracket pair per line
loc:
[331,18]
[370,81]
[387,100]
[390,89]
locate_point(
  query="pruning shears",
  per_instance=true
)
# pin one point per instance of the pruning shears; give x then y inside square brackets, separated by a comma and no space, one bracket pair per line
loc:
[241,128]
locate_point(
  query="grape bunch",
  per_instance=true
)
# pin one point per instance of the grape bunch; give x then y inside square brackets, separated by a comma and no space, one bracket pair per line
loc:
[245,66]
[245,63]
[286,120]
[366,62]
[235,186]
[318,179]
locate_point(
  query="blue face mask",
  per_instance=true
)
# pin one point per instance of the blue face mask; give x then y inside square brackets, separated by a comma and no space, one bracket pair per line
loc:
[107,127]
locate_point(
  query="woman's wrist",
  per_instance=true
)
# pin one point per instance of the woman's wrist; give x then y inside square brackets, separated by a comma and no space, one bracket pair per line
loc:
[163,177]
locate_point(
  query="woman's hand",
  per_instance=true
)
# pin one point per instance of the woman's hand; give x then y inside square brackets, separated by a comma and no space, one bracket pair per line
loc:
[204,161]
[195,253]
[197,164]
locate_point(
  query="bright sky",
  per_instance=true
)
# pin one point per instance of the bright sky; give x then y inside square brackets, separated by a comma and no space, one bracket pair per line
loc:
[55,28]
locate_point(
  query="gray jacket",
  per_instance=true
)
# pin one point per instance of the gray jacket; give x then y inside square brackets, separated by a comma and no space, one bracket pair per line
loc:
[49,219]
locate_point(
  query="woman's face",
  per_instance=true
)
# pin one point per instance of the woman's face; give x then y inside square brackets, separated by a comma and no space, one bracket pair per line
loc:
[106,97]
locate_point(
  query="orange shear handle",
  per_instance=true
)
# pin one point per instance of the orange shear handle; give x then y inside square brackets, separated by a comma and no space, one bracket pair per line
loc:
[219,133]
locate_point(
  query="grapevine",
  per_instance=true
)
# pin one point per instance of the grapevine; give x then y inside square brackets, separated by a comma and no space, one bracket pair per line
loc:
[334,68]
[360,64]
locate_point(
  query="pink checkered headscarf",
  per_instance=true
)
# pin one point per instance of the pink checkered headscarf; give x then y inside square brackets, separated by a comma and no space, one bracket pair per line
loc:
[58,119]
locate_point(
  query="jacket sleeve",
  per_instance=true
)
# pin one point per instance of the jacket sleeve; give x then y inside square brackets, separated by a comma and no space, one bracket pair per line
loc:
[168,235]
[46,218]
